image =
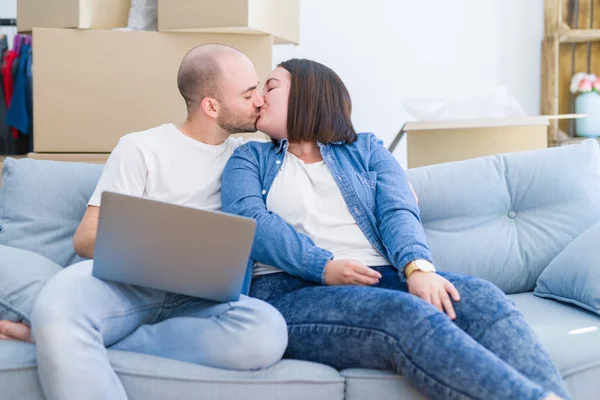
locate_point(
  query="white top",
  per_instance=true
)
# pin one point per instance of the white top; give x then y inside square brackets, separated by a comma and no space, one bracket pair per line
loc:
[164,164]
[307,197]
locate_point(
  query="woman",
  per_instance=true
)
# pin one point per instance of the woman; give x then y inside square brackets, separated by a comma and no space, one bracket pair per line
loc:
[342,254]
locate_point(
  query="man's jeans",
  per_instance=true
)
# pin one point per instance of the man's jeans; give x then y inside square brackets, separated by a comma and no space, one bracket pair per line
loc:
[488,352]
[76,315]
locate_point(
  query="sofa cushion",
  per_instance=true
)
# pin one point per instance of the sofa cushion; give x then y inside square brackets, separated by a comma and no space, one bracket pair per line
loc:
[504,218]
[574,274]
[375,384]
[149,377]
[572,337]
[42,203]
[23,274]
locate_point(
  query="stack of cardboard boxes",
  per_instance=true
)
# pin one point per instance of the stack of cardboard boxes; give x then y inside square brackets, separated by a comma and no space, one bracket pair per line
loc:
[93,84]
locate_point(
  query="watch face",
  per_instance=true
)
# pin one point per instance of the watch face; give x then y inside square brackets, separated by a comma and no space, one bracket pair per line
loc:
[424,265]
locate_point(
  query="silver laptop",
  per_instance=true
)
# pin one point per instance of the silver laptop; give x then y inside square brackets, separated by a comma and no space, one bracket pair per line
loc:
[173,248]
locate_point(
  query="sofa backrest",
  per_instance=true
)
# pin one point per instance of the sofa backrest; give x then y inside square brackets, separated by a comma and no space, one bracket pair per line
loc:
[505,217]
[42,203]
[502,218]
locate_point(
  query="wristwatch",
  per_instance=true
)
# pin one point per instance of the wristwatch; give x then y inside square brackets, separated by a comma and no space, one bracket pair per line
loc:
[418,265]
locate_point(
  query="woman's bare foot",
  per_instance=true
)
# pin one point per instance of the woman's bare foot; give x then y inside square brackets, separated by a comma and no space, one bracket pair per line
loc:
[15,331]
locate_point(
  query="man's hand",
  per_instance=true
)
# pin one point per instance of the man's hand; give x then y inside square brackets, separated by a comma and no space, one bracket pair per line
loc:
[350,272]
[434,289]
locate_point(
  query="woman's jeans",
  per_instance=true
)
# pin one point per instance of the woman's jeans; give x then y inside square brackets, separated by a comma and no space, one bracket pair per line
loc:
[488,352]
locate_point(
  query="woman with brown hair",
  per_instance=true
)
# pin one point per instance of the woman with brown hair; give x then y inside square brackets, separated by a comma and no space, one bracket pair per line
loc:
[340,251]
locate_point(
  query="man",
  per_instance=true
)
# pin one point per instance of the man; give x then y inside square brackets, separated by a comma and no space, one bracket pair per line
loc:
[77,315]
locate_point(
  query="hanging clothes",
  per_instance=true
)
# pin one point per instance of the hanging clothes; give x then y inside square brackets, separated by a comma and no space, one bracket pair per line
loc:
[18,114]
[18,93]
[17,43]
[29,75]
[8,144]
[7,75]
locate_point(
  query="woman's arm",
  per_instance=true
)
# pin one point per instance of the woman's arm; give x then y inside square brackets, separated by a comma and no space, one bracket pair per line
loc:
[396,209]
[400,227]
[276,242]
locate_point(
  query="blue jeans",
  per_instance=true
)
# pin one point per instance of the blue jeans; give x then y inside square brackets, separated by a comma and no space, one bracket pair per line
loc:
[77,315]
[488,352]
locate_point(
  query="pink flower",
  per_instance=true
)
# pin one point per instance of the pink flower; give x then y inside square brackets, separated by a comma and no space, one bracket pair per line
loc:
[585,86]
[597,85]
[575,80]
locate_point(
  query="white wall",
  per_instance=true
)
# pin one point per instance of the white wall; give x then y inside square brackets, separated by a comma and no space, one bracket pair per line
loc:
[390,50]
[8,9]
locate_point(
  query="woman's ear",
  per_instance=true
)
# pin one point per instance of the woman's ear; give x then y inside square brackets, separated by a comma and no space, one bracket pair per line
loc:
[210,107]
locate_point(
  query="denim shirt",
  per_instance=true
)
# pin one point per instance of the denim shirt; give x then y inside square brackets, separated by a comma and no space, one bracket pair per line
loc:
[372,183]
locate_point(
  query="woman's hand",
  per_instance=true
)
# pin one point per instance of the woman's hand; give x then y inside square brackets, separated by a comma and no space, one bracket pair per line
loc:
[434,289]
[350,272]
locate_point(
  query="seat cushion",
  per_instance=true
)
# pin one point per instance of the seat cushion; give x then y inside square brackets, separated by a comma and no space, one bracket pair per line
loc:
[572,337]
[148,377]
[42,203]
[504,218]
[574,275]
[23,274]
[18,371]
[381,385]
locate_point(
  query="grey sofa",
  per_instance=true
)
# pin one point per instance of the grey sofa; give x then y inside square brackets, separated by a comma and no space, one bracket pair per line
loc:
[503,218]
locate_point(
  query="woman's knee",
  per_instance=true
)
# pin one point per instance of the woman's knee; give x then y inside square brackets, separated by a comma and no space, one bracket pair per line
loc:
[481,289]
[482,300]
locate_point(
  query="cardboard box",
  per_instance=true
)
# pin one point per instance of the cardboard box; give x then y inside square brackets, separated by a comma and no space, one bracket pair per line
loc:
[93,158]
[92,87]
[82,14]
[436,142]
[275,17]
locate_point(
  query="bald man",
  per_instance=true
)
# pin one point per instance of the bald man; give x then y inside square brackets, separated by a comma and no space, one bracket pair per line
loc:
[77,315]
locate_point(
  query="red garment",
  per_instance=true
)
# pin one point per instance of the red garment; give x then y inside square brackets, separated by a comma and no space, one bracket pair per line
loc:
[9,84]
[7,74]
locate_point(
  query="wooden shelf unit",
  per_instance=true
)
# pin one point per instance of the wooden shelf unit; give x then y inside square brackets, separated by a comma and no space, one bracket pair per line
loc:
[571,44]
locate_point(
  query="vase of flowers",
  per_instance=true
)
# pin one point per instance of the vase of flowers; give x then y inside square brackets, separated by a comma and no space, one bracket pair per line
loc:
[587,89]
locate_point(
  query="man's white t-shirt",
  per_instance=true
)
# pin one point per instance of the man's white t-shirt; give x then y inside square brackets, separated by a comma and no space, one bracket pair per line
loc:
[307,197]
[164,164]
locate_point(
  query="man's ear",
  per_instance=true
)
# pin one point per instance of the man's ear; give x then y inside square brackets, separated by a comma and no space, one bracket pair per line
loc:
[210,106]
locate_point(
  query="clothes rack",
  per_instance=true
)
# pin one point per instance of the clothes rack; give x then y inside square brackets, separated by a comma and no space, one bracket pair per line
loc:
[16,91]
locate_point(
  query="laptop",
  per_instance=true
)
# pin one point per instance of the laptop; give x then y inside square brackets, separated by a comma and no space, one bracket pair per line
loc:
[173,248]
